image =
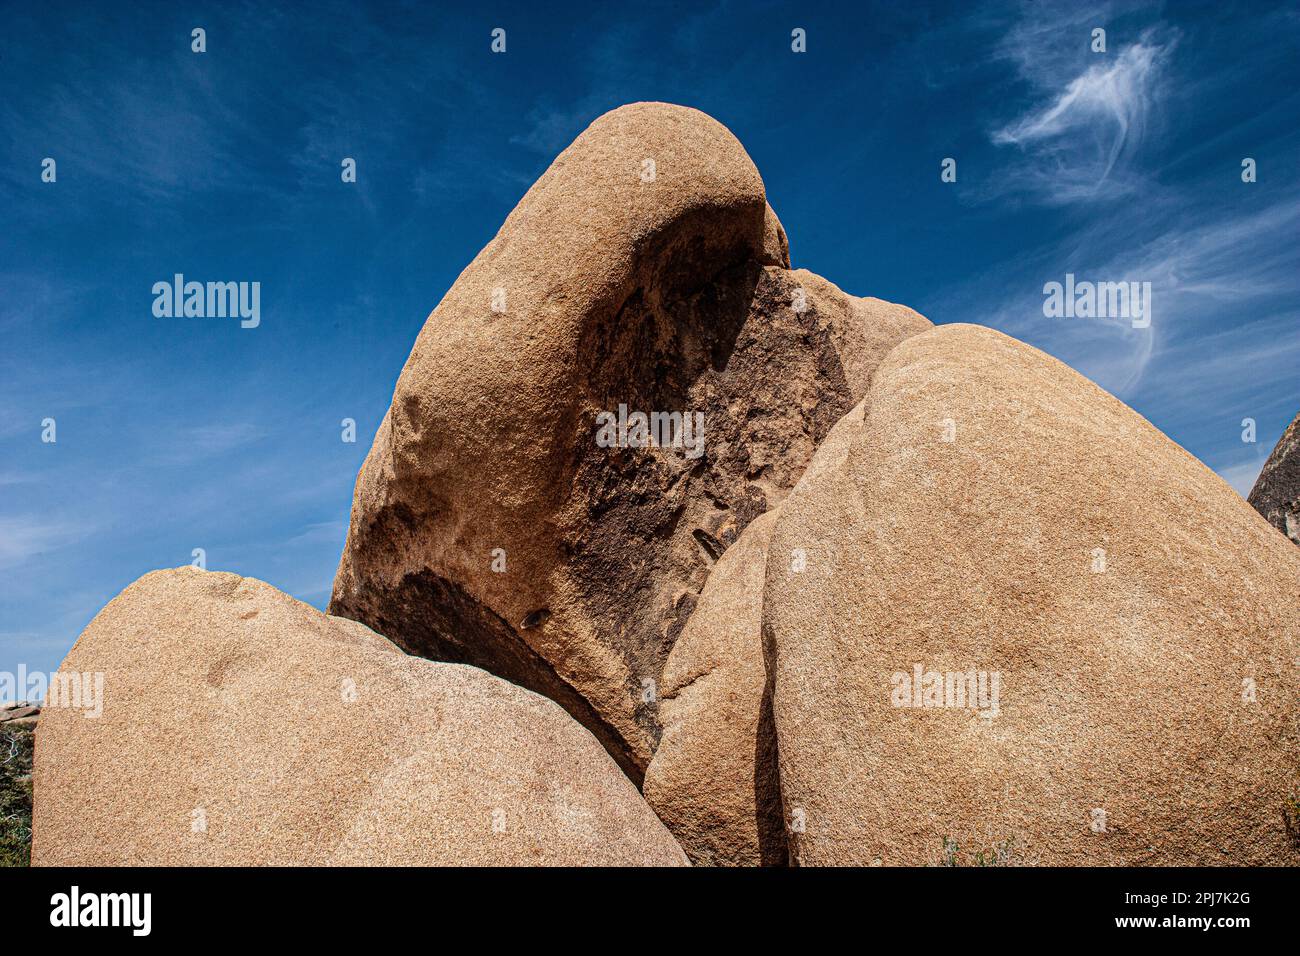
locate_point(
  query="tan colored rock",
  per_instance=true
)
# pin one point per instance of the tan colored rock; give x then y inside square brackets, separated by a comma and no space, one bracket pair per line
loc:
[660,288]
[776,247]
[713,780]
[1276,494]
[242,727]
[1143,622]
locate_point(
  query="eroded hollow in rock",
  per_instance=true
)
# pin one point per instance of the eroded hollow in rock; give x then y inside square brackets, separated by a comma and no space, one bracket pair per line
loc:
[702,326]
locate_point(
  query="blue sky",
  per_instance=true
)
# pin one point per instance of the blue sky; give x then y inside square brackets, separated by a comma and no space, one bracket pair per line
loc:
[175,434]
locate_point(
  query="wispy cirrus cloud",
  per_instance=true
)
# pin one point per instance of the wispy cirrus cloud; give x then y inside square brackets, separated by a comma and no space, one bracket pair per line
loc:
[1089,113]
[1101,146]
[26,536]
[195,443]
[1078,146]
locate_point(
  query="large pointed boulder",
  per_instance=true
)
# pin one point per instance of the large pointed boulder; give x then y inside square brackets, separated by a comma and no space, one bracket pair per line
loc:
[511,513]
[238,726]
[1030,628]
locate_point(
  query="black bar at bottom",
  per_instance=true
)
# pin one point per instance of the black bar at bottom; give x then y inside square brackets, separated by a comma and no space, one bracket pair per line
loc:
[337,906]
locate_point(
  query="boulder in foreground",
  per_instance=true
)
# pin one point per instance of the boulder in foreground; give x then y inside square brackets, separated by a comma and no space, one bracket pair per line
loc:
[242,727]
[1031,629]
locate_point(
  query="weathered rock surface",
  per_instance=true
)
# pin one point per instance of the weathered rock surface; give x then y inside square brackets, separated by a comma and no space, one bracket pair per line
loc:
[713,780]
[1276,494]
[988,510]
[488,527]
[19,712]
[242,727]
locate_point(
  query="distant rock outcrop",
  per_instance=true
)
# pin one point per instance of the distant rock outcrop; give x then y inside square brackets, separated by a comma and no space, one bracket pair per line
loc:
[1276,494]
[19,712]
[242,727]
[643,273]
[1004,647]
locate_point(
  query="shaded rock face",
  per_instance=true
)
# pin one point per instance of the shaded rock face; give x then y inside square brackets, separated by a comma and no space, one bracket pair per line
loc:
[1276,494]
[242,727]
[489,527]
[987,513]
[713,780]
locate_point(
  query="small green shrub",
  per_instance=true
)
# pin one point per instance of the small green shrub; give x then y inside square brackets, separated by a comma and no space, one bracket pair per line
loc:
[1003,853]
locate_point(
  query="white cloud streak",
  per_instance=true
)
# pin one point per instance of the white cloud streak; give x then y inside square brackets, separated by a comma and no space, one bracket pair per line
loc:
[1081,141]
